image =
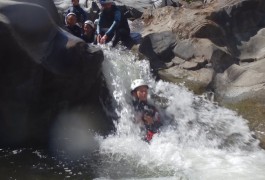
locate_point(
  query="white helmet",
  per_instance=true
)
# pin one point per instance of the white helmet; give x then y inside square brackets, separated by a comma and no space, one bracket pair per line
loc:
[90,23]
[137,83]
[70,13]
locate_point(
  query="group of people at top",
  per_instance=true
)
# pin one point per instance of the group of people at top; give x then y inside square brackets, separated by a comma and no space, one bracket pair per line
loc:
[112,25]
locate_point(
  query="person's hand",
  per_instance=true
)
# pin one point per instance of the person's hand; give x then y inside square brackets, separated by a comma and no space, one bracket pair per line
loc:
[148,119]
[103,39]
[98,38]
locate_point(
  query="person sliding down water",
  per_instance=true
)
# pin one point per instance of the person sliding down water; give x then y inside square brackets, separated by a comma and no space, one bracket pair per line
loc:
[144,111]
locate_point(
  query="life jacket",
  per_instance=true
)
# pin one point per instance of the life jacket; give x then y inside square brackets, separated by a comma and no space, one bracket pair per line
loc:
[75,30]
[89,39]
[146,109]
[107,18]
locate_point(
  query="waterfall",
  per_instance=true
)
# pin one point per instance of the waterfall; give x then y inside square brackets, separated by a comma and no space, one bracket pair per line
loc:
[198,139]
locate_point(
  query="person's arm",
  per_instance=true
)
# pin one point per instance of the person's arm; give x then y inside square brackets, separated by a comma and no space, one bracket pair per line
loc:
[98,36]
[151,115]
[117,20]
[95,38]
[99,22]
[83,13]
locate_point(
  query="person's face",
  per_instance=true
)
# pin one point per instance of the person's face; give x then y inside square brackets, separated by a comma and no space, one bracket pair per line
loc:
[106,6]
[75,2]
[71,20]
[141,93]
[87,28]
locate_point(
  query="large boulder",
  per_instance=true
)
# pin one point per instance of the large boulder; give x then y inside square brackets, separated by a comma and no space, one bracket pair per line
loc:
[158,47]
[241,82]
[43,69]
[242,88]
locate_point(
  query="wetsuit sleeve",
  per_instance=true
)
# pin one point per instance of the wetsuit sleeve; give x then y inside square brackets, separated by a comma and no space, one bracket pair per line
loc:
[117,20]
[84,14]
[99,24]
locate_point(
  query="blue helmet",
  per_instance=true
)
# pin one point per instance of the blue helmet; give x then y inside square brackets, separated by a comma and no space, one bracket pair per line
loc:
[105,1]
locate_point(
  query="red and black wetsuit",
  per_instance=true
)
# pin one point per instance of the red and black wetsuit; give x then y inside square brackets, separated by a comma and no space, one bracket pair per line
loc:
[149,110]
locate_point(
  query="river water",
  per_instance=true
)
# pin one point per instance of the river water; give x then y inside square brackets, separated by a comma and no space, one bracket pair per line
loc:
[199,140]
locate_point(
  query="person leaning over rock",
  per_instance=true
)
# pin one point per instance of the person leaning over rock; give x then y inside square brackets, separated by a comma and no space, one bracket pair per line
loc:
[81,15]
[112,25]
[89,32]
[71,25]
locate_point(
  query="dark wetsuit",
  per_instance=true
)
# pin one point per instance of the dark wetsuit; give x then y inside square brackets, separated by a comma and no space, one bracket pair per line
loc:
[89,39]
[79,12]
[149,110]
[113,23]
[75,30]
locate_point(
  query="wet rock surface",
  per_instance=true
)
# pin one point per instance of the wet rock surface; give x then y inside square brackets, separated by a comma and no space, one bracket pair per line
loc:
[43,69]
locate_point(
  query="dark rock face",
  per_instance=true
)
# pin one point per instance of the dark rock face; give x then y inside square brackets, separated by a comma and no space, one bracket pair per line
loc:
[43,70]
[158,47]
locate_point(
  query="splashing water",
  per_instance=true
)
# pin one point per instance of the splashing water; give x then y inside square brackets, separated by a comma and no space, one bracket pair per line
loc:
[199,140]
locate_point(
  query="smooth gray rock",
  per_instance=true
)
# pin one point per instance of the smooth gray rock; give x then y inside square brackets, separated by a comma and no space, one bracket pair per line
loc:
[158,47]
[189,65]
[184,49]
[238,83]
[177,61]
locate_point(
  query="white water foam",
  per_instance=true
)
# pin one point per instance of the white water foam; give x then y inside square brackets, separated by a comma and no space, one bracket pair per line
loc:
[199,140]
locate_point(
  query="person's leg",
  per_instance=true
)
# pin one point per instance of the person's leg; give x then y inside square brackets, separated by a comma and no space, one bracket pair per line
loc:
[126,38]
[116,38]
[122,35]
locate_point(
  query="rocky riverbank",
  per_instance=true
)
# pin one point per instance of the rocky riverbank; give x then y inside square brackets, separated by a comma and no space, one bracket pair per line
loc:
[216,46]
